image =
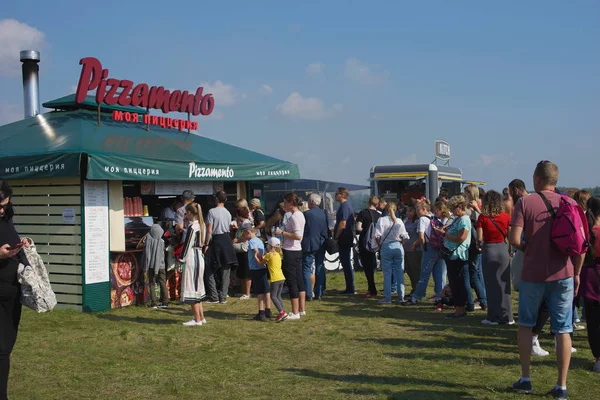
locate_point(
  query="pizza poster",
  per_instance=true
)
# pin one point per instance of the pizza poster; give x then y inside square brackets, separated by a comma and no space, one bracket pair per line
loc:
[128,283]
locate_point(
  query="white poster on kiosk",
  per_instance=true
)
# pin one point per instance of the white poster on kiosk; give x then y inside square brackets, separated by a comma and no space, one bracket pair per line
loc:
[95,194]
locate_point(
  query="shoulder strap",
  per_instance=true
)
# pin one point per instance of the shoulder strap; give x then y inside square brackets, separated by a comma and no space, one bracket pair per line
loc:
[548,205]
[497,227]
[390,231]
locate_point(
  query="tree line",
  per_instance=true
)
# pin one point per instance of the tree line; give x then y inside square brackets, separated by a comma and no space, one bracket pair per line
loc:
[595,191]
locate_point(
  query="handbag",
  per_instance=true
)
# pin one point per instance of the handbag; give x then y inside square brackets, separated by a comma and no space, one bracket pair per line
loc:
[444,252]
[36,291]
[241,247]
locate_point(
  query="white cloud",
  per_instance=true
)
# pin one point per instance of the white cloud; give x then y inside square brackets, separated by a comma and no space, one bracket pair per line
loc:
[10,112]
[225,95]
[357,71]
[315,68]
[310,108]
[16,36]
[406,160]
[266,89]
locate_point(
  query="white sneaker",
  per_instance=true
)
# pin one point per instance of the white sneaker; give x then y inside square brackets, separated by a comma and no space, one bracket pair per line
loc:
[536,349]
[486,322]
[578,327]
[244,297]
[293,316]
[192,322]
[203,322]
[302,313]
[384,301]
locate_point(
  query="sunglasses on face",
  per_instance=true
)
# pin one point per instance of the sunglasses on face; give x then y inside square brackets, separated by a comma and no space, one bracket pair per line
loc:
[5,206]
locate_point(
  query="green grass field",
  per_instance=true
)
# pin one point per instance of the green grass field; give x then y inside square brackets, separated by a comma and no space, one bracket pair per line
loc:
[345,348]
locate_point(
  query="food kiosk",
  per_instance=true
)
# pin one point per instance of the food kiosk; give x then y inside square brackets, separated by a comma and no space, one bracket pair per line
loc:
[91,176]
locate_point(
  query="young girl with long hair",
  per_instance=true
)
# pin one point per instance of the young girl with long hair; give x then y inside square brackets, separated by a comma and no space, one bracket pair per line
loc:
[390,233]
[192,279]
[589,288]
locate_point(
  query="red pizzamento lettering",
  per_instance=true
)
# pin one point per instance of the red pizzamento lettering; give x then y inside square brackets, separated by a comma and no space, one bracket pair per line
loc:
[123,92]
[148,119]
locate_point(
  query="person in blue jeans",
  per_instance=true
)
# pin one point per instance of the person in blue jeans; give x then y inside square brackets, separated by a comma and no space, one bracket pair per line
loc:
[474,274]
[474,280]
[313,242]
[390,232]
[321,278]
[344,226]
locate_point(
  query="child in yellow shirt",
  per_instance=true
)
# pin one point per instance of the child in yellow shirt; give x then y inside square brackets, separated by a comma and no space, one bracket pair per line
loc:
[273,259]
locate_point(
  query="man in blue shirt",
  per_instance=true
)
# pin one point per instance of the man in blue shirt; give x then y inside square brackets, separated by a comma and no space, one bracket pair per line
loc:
[313,247]
[344,234]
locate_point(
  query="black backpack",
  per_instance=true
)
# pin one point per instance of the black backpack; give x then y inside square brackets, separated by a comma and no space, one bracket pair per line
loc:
[473,249]
[369,243]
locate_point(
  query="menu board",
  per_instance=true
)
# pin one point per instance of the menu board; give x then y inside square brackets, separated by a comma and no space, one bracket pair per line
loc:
[95,194]
[168,188]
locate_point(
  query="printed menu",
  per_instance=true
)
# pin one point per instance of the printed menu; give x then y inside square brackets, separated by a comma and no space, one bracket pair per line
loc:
[96,231]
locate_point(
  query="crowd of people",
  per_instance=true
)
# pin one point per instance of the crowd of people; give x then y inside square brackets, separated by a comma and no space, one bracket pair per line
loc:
[477,247]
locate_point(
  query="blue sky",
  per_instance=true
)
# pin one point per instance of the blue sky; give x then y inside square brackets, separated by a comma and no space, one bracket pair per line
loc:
[340,86]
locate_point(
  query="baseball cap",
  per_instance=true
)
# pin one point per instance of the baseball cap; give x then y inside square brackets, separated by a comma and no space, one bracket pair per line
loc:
[274,242]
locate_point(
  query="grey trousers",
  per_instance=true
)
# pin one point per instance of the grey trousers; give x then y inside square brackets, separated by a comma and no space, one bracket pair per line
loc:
[217,282]
[276,290]
[496,276]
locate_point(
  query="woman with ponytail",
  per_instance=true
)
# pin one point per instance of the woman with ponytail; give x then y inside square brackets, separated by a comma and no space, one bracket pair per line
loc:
[390,233]
[192,280]
[292,234]
[589,288]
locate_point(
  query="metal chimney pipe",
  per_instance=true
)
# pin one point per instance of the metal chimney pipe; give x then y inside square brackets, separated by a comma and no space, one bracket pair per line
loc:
[31,82]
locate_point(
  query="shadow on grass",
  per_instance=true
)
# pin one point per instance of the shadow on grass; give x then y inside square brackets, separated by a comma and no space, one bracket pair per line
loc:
[138,320]
[497,362]
[445,342]
[409,394]
[383,380]
[475,332]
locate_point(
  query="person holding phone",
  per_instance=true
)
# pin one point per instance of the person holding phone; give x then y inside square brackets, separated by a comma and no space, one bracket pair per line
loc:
[11,254]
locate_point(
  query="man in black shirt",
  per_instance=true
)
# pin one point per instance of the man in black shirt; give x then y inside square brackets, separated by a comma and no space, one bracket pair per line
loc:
[368,259]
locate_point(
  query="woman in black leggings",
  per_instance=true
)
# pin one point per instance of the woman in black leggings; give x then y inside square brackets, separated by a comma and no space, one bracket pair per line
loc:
[10,290]
[292,233]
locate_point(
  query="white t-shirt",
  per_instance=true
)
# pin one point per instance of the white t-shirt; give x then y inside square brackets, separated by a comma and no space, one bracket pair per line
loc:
[388,232]
[424,226]
[295,224]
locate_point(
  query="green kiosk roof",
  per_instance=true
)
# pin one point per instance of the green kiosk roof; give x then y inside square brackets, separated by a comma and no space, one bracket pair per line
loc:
[53,144]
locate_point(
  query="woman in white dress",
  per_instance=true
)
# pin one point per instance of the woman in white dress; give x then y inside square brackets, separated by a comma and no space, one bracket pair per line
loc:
[192,281]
